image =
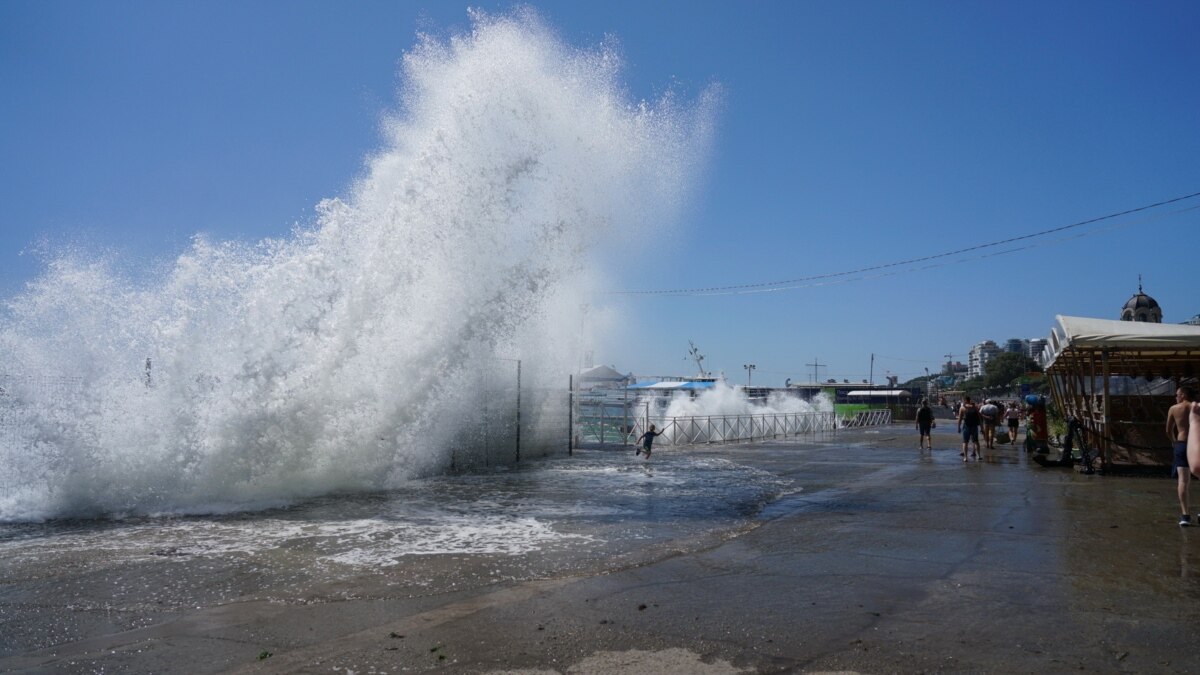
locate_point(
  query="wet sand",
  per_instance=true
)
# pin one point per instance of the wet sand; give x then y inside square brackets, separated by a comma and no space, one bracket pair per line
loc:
[886,560]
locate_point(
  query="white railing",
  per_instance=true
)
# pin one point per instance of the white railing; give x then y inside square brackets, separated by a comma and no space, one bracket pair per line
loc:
[734,428]
[868,418]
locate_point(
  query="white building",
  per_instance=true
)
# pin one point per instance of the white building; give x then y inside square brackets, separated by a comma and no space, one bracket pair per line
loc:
[979,356]
[1036,345]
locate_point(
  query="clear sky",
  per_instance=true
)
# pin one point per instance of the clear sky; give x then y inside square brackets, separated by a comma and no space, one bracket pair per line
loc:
[850,135]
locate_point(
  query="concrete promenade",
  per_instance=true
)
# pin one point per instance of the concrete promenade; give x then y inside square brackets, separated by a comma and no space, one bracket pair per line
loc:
[886,560]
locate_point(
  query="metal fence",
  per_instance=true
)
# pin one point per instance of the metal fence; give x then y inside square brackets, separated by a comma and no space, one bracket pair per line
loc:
[54,389]
[605,417]
[516,419]
[868,418]
[613,418]
[734,428]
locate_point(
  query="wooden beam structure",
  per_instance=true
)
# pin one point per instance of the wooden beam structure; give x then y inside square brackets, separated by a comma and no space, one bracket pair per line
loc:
[1119,380]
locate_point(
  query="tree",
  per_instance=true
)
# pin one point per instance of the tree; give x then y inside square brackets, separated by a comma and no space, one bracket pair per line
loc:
[1005,367]
[971,387]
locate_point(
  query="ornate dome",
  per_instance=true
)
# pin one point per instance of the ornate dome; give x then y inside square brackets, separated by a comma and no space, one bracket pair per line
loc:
[1141,307]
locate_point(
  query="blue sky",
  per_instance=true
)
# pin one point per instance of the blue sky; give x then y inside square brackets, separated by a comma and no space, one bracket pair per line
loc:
[850,135]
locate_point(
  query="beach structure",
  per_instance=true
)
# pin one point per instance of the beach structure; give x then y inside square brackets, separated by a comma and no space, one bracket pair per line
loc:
[1118,378]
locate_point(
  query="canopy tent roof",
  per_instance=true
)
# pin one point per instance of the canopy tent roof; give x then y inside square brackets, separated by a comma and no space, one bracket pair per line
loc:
[1163,342]
[1116,378]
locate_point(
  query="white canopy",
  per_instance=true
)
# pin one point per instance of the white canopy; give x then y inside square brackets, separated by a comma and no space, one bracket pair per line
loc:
[1080,333]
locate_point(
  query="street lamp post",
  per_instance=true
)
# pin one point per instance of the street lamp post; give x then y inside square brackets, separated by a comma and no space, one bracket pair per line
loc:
[749,373]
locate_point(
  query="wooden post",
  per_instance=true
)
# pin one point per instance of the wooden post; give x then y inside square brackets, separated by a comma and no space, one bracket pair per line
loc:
[1104,429]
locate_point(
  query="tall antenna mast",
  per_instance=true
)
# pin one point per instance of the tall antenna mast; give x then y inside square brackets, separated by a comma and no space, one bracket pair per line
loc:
[815,364]
[694,352]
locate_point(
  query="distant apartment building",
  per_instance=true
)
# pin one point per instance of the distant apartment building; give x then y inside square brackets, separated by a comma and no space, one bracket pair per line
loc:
[978,357]
[1036,346]
[1016,346]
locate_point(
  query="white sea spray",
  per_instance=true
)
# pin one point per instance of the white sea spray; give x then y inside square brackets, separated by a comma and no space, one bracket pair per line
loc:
[347,356]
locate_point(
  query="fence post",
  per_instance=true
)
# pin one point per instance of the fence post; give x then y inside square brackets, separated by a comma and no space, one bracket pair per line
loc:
[570,414]
[625,415]
[518,410]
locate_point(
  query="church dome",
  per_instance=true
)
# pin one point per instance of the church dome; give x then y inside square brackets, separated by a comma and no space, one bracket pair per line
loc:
[1141,307]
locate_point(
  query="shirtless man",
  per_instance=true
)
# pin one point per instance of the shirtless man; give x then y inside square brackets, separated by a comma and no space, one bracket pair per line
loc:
[1177,430]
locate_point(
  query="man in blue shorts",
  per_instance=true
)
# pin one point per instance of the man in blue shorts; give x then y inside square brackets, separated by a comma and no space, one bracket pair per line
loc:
[1177,430]
[968,424]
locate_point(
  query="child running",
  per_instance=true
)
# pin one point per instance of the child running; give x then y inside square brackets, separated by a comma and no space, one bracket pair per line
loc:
[647,441]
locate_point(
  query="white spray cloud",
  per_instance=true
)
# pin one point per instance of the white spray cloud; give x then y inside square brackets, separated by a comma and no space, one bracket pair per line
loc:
[724,399]
[344,357]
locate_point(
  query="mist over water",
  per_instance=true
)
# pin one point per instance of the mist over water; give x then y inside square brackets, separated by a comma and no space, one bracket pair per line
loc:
[346,357]
[724,399]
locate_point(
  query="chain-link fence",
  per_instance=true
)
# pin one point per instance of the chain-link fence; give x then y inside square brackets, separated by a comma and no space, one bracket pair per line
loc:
[515,420]
[19,430]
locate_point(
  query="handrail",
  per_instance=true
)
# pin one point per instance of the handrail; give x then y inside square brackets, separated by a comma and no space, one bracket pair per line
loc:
[705,429]
[868,418]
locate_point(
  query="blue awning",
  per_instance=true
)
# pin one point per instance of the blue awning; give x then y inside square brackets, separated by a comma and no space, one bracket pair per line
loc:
[672,386]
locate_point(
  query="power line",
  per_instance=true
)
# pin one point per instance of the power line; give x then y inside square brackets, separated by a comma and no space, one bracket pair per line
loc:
[835,277]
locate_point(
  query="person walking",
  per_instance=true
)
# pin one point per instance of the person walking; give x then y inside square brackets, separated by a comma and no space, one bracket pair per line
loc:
[991,417]
[1178,428]
[925,423]
[968,426]
[1013,415]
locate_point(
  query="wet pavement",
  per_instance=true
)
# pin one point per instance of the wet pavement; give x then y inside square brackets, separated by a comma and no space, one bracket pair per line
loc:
[875,558]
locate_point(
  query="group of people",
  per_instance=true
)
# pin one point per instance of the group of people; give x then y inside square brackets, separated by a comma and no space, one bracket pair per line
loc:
[1182,418]
[971,420]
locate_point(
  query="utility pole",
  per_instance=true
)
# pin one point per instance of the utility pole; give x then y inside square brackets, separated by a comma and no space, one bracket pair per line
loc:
[872,370]
[816,364]
[749,373]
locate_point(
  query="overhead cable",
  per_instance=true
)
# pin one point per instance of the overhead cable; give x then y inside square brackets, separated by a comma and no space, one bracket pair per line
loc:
[835,277]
